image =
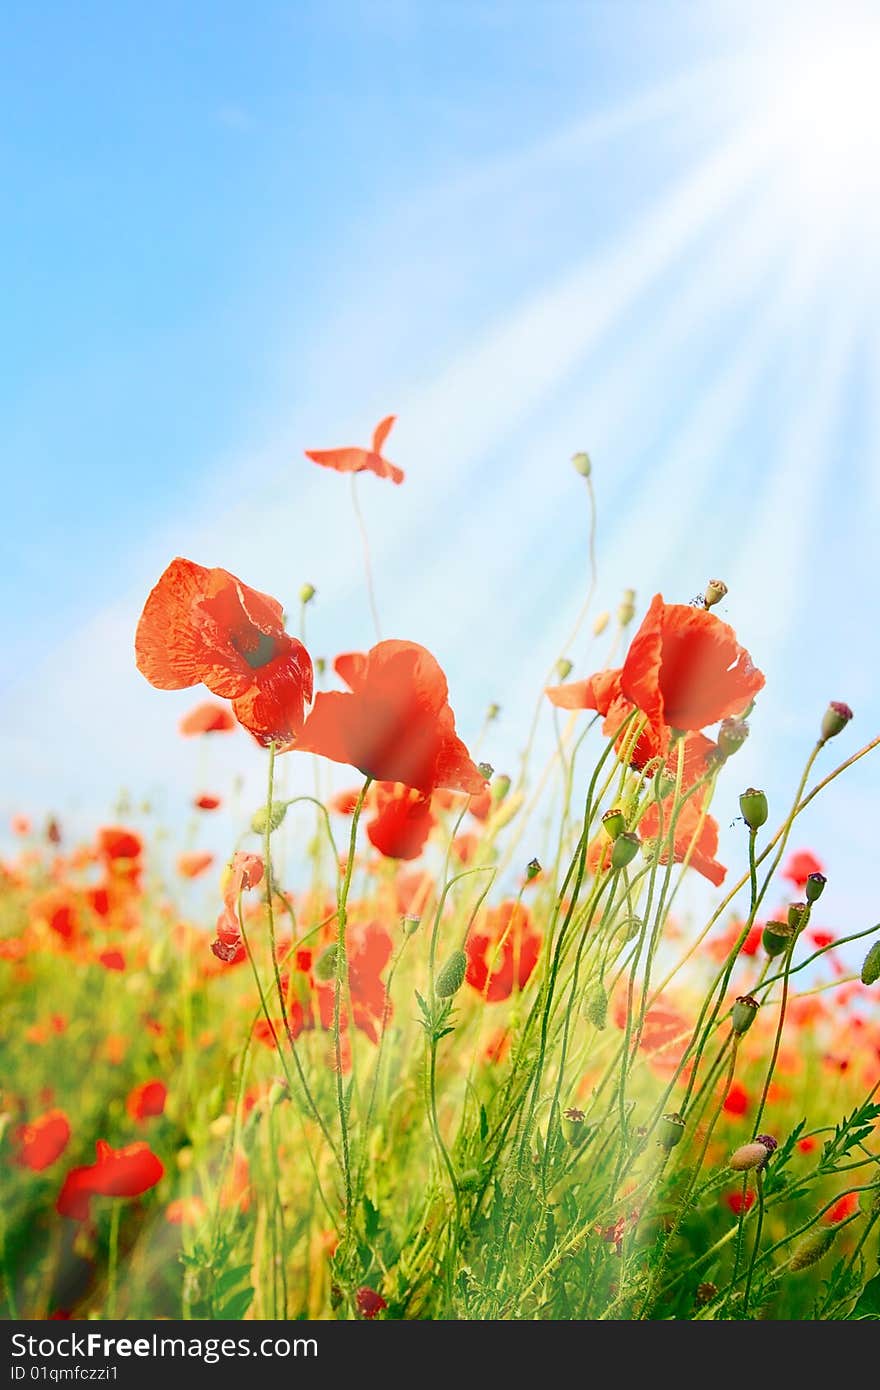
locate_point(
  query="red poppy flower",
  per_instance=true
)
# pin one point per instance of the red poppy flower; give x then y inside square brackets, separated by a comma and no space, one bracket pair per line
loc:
[354,460]
[207,802]
[822,938]
[207,718]
[685,669]
[736,1102]
[369,1303]
[125,1172]
[396,725]
[41,1142]
[502,951]
[603,693]
[344,803]
[402,821]
[700,852]
[737,1202]
[146,1100]
[799,866]
[843,1207]
[194,862]
[112,960]
[205,626]
[115,842]
[245,871]
[185,1211]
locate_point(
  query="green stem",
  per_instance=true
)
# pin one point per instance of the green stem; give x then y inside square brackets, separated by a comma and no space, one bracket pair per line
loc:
[113,1259]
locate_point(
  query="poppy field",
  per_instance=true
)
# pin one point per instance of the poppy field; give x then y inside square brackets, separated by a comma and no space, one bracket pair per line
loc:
[401,1069]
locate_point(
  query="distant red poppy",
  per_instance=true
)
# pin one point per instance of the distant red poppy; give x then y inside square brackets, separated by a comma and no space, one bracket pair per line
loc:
[115,842]
[822,938]
[808,1143]
[737,1202]
[700,851]
[736,1102]
[194,862]
[245,871]
[112,960]
[205,626]
[147,1100]
[369,1303]
[207,718]
[685,669]
[402,821]
[207,802]
[185,1211]
[396,724]
[353,460]
[502,951]
[125,1172]
[799,866]
[21,825]
[44,1140]
[344,803]
[843,1207]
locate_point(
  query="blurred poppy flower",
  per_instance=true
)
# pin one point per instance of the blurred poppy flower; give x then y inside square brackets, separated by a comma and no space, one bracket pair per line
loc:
[185,1211]
[115,842]
[205,626]
[147,1100]
[502,951]
[207,718]
[353,460]
[737,1202]
[194,862]
[799,866]
[402,821]
[843,1207]
[698,842]
[112,960]
[125,1172]
[736,1102]
[369,1303]
[396,724]
[44,1140]
[207,802]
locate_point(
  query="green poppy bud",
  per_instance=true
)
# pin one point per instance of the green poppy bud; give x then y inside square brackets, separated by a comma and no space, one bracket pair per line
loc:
[743,1014]
[564,668]
[451,977]
[582,464]
[871,966]
[596,1006]
[307,593]
[627,610]
[500,787]
[261,819]
[614,823]
[835,720]
[493,712]
[624,850]
[753,804]
[813,1247]
[670,1131]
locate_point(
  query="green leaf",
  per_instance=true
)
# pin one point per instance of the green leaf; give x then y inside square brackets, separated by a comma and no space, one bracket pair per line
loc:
[238,1305]
[228,1280]
[868,1305]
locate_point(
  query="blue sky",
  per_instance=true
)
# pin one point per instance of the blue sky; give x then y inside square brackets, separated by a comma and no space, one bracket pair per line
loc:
[231,233]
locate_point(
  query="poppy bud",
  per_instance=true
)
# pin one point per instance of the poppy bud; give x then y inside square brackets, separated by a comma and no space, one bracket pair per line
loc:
[320,665]
[506,811]
[451,977]
[500,787]
[410,923]
[630,928]
[574,1131]
[493,712]
[732,735]
[600,624]
[715,592]
[307,593]
[871,966]
[485,770]
[624,850]
[564,668]
[743,1014]
[753,1155]
[261,818]
[596,1007]
[220,1127]
[671,1131]
[813,1248]
[835,720]
[614,823]
[184,1158]
[814,887]
[325,965]
[776,938]
[798,915]
[278,1092]
[753,804]
[533,868]
[627,610]
[582,464]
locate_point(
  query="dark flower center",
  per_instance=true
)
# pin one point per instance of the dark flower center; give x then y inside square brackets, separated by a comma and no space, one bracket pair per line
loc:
[257,647]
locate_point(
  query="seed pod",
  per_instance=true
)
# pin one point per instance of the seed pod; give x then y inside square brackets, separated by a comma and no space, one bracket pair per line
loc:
[533,868]
[753,804]
[625,849]
[451,977]
[871,966]
[743,1016]
[835,720]
[798,915]
[814,887]
[325,965]
[614,823]
[600,624]
[596,1007]
[813,1247]
[260,819]
[410,923]
[671,1131]
[715,592]
[705,1293]
[776,938]
[627,610]
[485,770]
[574,1131]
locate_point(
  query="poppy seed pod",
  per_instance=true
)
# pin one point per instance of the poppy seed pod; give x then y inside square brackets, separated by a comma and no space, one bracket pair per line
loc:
[671,1131]
[732,735]
[574,1131]
[451,977]
[624,850]
[743,1014]
[777,937]
[716,589]
[870,973]
[533,868]
[600,624]
[614,823]
[582,464]
[813,1248]
[754,808]
[485,770]
[835,720]
[798,915]
[410,923]
[814,887]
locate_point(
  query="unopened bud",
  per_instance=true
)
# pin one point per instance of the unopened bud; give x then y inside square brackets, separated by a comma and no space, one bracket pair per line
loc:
[261,818]
[812,1249]
[743,1014]
[582,464]
[320,665]
[533,868]
[670,1131]
[564,668]
[624,850]
[814,887]
[325,965]
[493,712]
[601,623]
[451,977]
[278,1091]
[596,1007]
[835,720]
[500,787]
[871,966]
[715,592]
[307,593]
[777,937]
[614,823]
[732,735]
[753,1155]
[627,610]
[753,804]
